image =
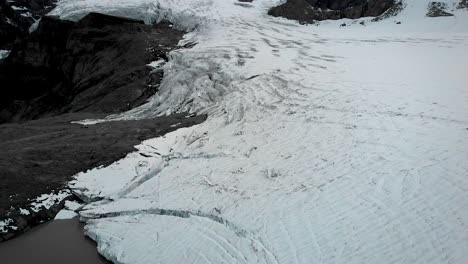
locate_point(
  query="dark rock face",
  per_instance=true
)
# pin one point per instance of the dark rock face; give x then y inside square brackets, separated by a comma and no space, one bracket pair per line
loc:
[463,4]
[95,65]
[437,9]
[17,16]
[308,11]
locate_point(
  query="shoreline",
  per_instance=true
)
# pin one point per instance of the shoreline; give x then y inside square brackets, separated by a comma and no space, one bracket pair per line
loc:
[35,175]
[58,241]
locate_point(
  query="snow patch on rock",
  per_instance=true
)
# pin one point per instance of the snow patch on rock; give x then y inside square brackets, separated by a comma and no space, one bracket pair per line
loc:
[5,225]
[24,211]
[4,53]
[49,199]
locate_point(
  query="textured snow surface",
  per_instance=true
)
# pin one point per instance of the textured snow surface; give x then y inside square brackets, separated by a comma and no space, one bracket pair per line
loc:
[43,201]
[324,144]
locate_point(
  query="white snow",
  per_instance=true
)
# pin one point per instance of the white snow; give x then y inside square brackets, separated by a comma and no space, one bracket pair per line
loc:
[73,206]
[4,53]
[47,200]
[70,210]
[18,8]
[157,64]
[324,144]
[35,25]
[5,225]
[27,14]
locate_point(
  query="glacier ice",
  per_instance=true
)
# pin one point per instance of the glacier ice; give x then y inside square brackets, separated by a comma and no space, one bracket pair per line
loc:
[324,144]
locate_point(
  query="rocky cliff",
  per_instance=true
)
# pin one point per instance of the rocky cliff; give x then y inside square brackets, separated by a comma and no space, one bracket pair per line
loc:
[98,65]
[17,18]
[308,11]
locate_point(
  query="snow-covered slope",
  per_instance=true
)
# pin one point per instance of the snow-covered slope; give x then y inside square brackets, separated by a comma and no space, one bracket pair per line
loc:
[324,144]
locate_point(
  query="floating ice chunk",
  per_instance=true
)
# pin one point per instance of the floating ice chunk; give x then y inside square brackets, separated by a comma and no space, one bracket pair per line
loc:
[18,8]
[34,26]
[65,214]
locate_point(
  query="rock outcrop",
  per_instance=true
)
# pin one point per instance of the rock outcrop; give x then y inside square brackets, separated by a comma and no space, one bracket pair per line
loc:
[463,4]
[437,9]
[97,65]
[17,17]
[67,71]
[308,11]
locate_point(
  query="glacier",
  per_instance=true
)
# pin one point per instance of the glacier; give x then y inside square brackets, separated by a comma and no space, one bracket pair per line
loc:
[324,144]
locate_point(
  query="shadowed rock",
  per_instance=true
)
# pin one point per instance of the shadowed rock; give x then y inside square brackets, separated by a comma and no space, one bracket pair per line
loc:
[67,71]
[308,11]
[463,4]
[95,65]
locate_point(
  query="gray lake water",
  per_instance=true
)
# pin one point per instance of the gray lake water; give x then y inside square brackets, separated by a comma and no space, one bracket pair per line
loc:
[58,241]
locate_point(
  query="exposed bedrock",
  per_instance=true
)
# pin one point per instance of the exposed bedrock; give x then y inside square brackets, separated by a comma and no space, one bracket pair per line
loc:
[17,17]
[308,11]
[98,65]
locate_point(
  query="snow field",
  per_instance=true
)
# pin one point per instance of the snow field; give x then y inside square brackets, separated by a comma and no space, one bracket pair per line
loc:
[323,144]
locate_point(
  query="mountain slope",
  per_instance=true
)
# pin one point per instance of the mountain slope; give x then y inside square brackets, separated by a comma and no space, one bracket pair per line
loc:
[97,65]
[324,144]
